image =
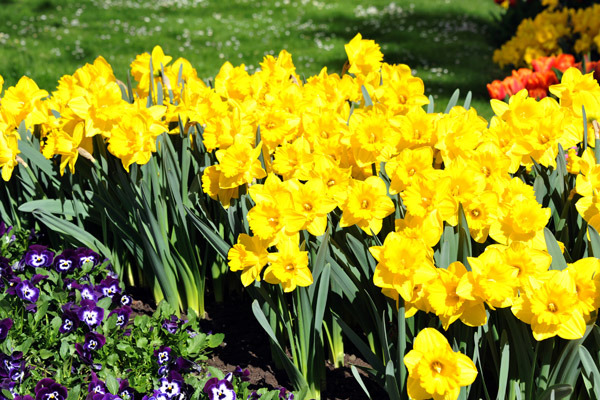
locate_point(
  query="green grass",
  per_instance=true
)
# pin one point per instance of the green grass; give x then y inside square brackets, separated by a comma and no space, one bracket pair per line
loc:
[446,42]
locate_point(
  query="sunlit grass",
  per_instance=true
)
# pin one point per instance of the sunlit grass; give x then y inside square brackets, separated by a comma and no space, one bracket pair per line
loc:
[446,42]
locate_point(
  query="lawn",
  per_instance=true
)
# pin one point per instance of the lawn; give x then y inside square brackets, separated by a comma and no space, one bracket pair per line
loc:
[447,43]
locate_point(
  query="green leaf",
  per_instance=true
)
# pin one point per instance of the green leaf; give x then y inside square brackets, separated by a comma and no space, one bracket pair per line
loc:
[585,132]
[196,344]
[430,106]
[558,260]
[65,348]
[215,340]
[368,102]
[292,371]
[556,392]
[111,383]
[504,365]
[74,393]
[590,370]
[210,234]
[56,206]
[391,384]
[45,354]
[359,380]
[464,239]
[7,394]
[468,98]
[594,242]
[453,100]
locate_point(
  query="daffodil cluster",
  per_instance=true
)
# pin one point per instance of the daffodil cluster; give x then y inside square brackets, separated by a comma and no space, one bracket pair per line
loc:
[541,36]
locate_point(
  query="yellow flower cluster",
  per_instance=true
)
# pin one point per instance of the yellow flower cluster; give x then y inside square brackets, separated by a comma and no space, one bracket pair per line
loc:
[350,148]
[539,37]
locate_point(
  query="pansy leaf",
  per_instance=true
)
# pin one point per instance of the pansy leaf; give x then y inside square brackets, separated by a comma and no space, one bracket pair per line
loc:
[111,383]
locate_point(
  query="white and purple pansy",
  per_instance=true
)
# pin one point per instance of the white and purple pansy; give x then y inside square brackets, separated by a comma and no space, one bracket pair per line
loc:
[171,386]
[86,256]
[93,341]
[126,300]
[38,256]
[163,354]
[219,389]
[48,389]
[87,291]
[96,385]
[90,314]
[26,291]
[66,261]
[109,287]
[122,314]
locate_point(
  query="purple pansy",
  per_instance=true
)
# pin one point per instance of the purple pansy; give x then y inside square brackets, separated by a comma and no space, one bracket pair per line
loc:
[38,256]
[26,291]
[85,256]
[5,326]
[13,367]
[171,386]
[123,314]
[243,374]
[4,229]
[70,320]
[109,287]
[48,389]
[219,389]
[90,313]
[170,324]
[93,341]
[285,394]
[125,391]
[96,385]
[163,354]
[126,300]
[26,397]
[88,292]
[66,261]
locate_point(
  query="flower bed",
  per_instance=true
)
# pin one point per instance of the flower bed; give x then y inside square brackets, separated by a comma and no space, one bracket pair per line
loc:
[351,212]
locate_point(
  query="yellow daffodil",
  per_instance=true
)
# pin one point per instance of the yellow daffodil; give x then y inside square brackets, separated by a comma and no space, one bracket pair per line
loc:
[434,370]
[367,205]
[248,255]
[289,266]
[551,307]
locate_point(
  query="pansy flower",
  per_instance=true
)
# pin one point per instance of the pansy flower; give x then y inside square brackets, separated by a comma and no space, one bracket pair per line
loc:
[4,229]
[219,389]
[26,291]
[163,354]
[172,385]
[66,261]
[125,300]
[243,374]
[85,256]
[93,341]
[126,392]
[13,367]
[38,256]
[123,314]
[109,287]
[90,313]
[170,324]
[96,386]
[48,389]
[5,326]
[25,397]
[70,321]
[87,291]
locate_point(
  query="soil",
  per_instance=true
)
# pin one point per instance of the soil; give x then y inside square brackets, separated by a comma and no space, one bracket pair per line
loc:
[246,345]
